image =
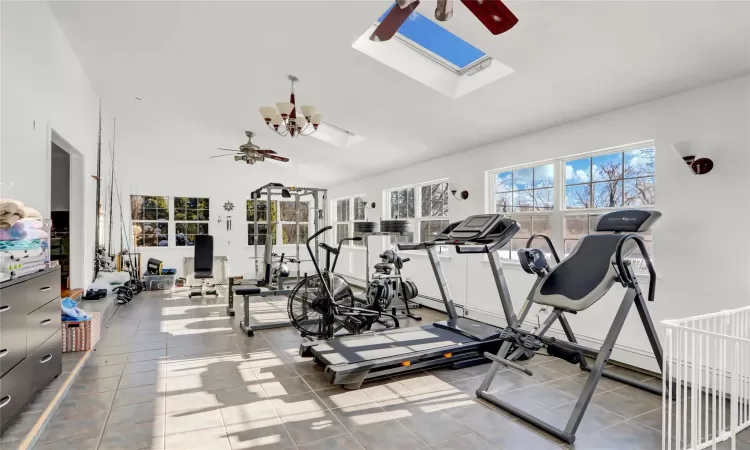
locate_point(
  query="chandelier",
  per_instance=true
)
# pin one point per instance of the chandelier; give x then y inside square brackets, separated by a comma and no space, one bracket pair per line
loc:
[285,120]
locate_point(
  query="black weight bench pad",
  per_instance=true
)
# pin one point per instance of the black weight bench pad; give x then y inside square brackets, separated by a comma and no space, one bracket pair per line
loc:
[248,290]
[202,274]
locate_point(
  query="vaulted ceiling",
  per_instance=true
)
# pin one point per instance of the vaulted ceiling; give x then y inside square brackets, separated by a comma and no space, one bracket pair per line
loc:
[204,68]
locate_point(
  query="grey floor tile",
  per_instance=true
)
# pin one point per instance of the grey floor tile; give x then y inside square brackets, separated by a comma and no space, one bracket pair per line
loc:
[211,438]
[510,381]
[341,442]
[545,396]
[182,422]
[146,435]
[306,367]
[84,387]
[260,434]
[40,401]
[21,425]
[136,413]
[89,442]
[86,404]
[137,379]
[191,401]
[240,395]
[60,427]
[362,416]
[338,397]
[276,372]
[595,418]
[237,413]
[619,404]
[139,394]
[148,355]
[627,435]
[384,389]
[435,427]
[469,441]
[145,366]
[420,380]
[285,386]
[91,373]
[409,405]
[514,435]
[103,361]
[449,375]
[468,385]
[478,416]
[388,436]
[298,404]
[316,381]
[312,426]
[647,398]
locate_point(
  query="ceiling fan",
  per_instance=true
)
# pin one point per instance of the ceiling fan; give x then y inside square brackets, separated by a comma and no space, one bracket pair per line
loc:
[493,14]
[251,153]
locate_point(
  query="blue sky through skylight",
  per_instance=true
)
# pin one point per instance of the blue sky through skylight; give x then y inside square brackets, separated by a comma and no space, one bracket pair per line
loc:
[437,39]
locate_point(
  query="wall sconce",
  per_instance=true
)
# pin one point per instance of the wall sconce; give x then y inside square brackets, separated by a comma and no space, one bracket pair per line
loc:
[463,195]
[368,205]
[699,166]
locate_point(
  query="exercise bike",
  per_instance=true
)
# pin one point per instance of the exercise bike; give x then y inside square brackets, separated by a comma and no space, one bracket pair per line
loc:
[323,304]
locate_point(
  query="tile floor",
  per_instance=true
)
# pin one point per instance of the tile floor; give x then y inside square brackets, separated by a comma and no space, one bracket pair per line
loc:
[176,373]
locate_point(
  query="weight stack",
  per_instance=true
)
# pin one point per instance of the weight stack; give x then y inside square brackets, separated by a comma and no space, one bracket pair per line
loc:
[394,226]
[365,227]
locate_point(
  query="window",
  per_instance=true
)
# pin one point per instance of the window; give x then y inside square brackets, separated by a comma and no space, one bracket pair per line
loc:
[150,216]
[348,211]
[564,198]
[429,219]
[289,214]
[191,215]
[529,192]
[434,41]
[261,219]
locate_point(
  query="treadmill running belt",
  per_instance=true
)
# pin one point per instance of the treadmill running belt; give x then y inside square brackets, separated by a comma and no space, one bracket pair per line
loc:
[354,349]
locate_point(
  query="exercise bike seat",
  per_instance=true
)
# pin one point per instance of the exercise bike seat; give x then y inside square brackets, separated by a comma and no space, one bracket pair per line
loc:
[247,290]
[384,266]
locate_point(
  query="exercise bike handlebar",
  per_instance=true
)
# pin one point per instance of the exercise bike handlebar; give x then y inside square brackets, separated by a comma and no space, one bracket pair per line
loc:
[318,233]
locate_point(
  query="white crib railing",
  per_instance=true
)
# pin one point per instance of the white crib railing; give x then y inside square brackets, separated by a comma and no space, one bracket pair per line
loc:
[706,380]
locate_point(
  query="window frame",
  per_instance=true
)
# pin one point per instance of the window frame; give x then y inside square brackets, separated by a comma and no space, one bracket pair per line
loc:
[280,222]
[187,222]
[274,225]
[134,221]
[418,217]
[559,212]
[351,219]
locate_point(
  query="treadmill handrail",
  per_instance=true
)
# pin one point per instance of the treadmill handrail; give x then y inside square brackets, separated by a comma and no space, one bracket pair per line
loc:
[424,245]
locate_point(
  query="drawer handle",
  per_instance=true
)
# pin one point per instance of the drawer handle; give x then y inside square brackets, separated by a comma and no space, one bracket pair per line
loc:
[4,308]
[45,359]
[3,352]
[45,322]
[4,401]
[45,289]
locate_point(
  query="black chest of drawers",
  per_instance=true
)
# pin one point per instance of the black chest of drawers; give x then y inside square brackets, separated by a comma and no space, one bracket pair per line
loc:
[30,341]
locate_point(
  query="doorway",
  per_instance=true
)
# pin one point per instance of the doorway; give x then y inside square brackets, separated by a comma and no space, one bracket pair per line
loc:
[66,185]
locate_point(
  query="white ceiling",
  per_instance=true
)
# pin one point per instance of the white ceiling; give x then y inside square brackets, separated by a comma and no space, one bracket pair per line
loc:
[205,67]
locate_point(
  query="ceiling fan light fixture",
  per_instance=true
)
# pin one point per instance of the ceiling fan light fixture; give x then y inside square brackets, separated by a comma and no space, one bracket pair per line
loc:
[268,112]
[287,119]
[309,111]
[285,108]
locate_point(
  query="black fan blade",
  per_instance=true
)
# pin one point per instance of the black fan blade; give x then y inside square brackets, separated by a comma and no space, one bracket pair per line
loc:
[393,21]
[493,14]
[265,152]
[277,158]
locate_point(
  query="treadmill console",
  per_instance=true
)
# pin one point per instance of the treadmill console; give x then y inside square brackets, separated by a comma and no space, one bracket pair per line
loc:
[474,227]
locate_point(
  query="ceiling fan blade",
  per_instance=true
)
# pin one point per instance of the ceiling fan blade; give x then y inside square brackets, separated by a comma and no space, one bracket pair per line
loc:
[393,21]
[277,158]
[493,14]
[226,150]
[265,152]
[219,156]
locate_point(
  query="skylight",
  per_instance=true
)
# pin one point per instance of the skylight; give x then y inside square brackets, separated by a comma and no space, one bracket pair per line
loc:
[438,41]
[430,54]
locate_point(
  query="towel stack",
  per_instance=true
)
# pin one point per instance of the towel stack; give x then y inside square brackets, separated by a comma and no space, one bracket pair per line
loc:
[22,239]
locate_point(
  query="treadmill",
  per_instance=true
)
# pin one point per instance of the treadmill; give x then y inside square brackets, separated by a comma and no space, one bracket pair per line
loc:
[456,342]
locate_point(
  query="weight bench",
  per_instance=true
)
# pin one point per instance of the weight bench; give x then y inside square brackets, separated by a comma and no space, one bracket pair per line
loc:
[203,268]
[247,292]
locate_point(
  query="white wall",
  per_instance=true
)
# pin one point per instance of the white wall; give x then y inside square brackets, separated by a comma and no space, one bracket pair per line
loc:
[172,159]
[60,186]
[45,88]
[701,265]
